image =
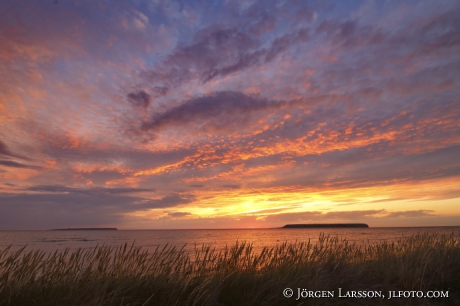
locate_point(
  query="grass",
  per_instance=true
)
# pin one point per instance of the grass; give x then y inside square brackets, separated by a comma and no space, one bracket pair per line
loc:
[237,275]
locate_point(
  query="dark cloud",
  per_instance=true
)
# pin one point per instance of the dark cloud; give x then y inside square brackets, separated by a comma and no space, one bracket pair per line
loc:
[218,51]
[5,151]
[88,191]
[116,198]
[212,50]
[45,210]
[61,206]
[166,201]
[140,98]
[260,56]
[435,34]
[179,214]
[232,186]
[221,108]
[13,164]
[440,31]
[160,91]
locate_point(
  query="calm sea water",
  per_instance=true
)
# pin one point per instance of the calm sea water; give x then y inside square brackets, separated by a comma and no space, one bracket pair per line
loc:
[50,241]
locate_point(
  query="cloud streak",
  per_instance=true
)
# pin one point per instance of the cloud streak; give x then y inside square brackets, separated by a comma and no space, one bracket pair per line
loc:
[212,109]
[219,51]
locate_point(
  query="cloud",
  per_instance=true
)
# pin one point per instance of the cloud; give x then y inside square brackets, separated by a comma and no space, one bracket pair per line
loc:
[179,214]
[140,98]
[411,214]
[95,193]
[322,217]
[87,191]
[217,109]
[232,186]
[13,164]
[383,200]
[349,34]
[60,206]
[211,51]
[352,215]
[166,201]
[5,151]
[341,99]
[349,216]
[218,51]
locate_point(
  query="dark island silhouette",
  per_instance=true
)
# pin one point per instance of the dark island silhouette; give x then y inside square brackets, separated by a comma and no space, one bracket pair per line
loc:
[86,229]
[330,225]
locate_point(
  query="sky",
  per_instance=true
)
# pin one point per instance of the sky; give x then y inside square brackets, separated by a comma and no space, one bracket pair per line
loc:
[152,114]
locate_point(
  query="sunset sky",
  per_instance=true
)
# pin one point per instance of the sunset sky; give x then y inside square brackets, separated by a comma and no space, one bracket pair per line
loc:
[153,114]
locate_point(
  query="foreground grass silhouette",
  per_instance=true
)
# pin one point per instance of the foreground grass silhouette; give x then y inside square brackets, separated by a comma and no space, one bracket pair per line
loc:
[237,275]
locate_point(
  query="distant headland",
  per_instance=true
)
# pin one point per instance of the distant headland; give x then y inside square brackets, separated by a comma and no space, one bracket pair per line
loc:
[330,225]
[86,229]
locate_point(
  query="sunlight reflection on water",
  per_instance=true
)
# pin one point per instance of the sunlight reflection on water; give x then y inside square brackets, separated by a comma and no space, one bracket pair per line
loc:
[50,241]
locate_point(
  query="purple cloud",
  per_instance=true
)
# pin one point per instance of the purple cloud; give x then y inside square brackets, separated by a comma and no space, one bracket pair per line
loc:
[140,98]
[220,108]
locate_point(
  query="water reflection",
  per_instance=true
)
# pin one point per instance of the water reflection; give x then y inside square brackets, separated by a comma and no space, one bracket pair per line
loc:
[49,241]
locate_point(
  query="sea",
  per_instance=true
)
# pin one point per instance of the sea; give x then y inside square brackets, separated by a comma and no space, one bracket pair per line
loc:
[58,240]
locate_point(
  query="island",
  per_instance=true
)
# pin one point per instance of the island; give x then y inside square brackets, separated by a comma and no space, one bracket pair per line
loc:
[86,229]
[330,225]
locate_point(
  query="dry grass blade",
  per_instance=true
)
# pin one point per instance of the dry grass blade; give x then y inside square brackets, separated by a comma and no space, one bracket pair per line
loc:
[236,275]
